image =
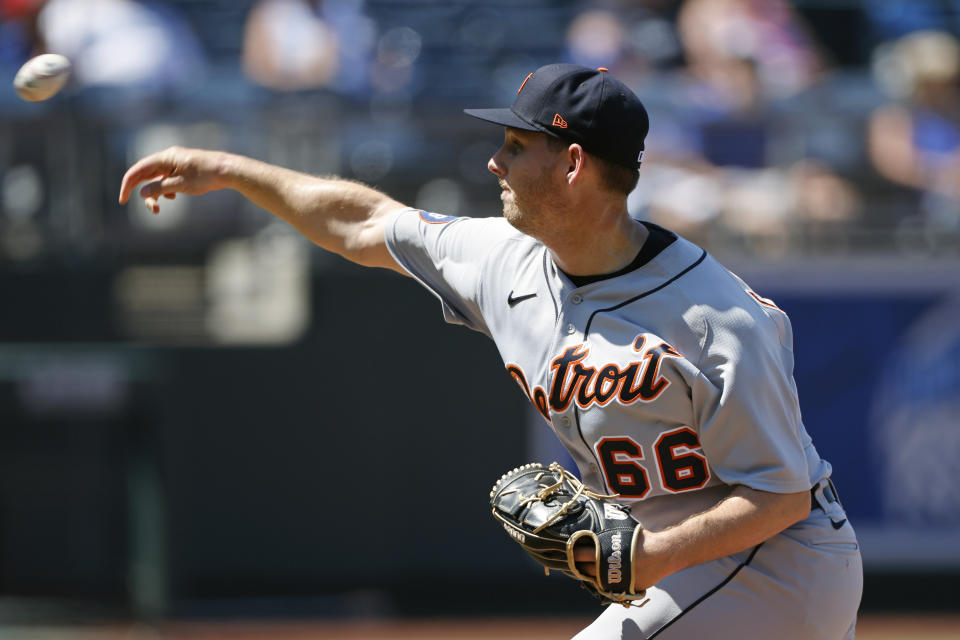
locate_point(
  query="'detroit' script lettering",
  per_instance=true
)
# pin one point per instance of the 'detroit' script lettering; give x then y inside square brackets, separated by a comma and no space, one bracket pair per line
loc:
[573,381]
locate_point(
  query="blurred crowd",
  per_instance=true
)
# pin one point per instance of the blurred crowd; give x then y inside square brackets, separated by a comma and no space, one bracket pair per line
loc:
[776,127]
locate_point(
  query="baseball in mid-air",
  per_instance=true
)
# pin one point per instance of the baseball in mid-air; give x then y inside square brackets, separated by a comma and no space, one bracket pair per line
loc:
[42,77]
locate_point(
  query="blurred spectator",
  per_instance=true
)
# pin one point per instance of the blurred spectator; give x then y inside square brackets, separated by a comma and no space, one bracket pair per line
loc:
[729,163]
[287,46]
[914,141]
[596,38]
[123,43]
[294,45]
[632,39]
[767,31]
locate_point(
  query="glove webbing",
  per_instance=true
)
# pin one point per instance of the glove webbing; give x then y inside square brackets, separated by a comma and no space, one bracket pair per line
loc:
[550,490]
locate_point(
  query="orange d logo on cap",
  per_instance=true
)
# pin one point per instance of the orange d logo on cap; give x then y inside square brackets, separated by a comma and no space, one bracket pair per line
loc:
[529,75]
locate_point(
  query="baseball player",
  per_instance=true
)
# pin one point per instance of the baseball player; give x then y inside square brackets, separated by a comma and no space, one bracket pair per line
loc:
[664,375]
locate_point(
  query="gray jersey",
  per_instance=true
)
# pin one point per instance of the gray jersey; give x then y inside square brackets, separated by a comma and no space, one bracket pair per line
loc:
[668,384]
[672,381]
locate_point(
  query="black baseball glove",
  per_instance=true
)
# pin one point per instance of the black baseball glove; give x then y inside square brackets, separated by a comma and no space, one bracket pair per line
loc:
[549,512]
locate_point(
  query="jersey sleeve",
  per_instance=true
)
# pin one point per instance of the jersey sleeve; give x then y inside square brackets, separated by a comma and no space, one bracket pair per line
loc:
[745,400]
[446,254]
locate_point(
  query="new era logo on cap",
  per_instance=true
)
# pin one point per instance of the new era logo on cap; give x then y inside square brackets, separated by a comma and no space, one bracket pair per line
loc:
[599,112]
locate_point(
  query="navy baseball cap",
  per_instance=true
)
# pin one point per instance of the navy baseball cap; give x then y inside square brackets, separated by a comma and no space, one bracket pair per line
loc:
[578,104]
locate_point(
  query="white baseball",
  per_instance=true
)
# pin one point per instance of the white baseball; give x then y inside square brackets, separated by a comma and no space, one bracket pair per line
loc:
[42,77]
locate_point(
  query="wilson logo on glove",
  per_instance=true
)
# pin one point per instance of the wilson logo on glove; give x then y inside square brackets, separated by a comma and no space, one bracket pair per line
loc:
[614,574]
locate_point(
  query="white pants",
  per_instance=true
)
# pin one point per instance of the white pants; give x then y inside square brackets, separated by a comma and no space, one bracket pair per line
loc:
[803,584]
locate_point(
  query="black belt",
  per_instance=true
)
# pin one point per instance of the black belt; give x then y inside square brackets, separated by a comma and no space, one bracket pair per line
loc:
[829,493]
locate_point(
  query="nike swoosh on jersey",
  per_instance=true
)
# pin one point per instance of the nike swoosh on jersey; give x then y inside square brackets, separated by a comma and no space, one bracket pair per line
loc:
[513,301]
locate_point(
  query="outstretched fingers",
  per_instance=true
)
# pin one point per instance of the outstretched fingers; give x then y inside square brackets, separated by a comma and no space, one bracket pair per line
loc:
[167,187]
[169,172]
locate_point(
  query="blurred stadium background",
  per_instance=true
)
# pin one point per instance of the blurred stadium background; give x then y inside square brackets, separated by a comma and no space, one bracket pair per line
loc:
[203,417]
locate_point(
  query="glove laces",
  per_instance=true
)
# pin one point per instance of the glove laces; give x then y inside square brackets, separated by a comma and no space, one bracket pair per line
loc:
[554,489]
